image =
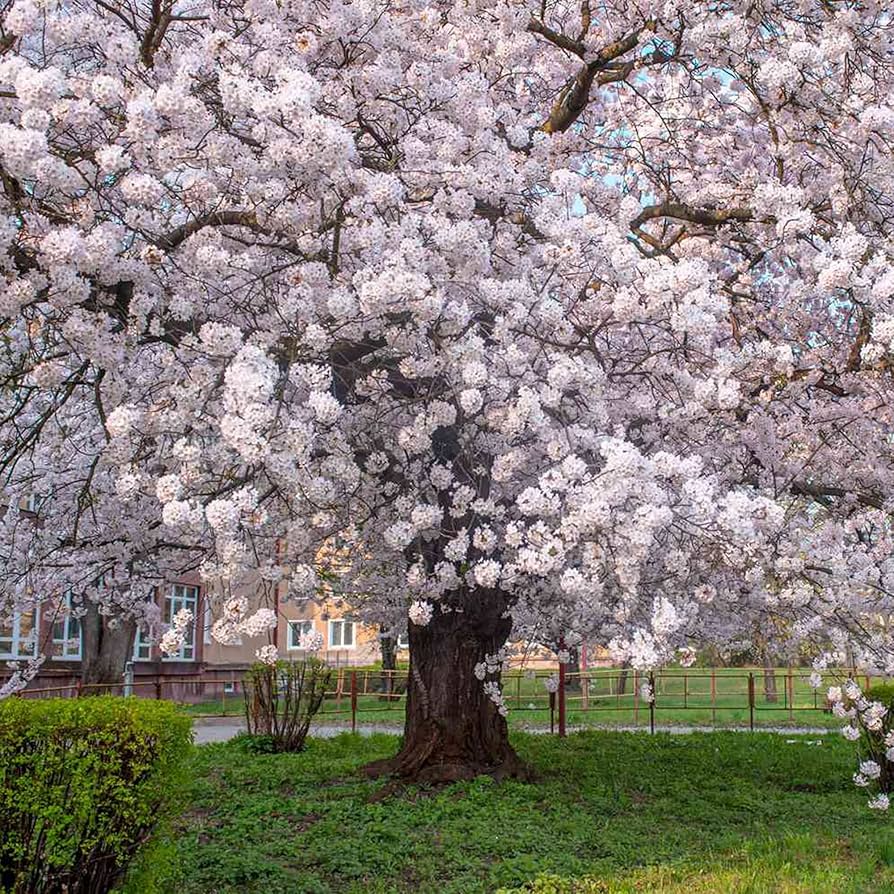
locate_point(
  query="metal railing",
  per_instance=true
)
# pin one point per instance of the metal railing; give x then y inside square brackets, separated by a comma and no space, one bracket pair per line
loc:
[718,697]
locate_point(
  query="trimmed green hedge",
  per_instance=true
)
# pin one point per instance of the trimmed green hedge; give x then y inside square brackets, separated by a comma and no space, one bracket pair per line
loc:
[83,782]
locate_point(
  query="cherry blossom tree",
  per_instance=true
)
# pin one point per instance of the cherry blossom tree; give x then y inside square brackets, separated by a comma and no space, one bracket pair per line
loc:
[557,320]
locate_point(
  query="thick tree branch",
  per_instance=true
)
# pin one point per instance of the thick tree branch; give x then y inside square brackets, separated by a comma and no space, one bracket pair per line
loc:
[708,217]
[161,19]
[855,357]
[535,26]
[247,219]
[604,69]
[585,20]
[818,491]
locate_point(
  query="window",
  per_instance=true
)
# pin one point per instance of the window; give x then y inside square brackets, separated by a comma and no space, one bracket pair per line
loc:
[403,641]
[142,641]
[182,597]
[297,631]
[229,688]
[18,638]
[142,647]
[31,503]
[67,632]
[341,634]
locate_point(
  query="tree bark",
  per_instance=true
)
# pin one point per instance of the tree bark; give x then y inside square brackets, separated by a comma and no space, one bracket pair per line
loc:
[105,649]
[771,694]
[388,647]
[622,679]
[453,728]
[572,671]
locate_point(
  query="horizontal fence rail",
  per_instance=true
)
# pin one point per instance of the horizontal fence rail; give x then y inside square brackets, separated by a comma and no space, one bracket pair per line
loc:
[718,697]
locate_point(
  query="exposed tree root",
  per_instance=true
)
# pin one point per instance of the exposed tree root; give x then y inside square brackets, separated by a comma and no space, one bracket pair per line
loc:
[403,770]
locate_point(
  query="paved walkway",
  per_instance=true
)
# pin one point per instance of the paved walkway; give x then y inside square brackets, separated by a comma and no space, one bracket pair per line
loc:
[220,729]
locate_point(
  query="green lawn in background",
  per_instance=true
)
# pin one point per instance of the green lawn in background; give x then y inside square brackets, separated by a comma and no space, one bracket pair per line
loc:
[683,699]
[706,813]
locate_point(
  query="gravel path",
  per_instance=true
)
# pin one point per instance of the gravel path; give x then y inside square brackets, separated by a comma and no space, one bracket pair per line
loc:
[220,729]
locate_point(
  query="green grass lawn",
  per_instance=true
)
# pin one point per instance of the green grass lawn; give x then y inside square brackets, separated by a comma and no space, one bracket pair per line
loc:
[613,812]
[683,698]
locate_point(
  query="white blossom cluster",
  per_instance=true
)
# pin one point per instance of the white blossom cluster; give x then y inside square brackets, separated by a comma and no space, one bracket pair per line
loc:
[172,639]
[421,613]
[872,725]
[267,655]
[492,665]
[312,641]
[494,692]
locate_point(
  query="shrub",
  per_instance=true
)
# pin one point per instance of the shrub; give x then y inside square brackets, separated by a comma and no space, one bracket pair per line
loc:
[882,692]
[871,725]
[281,699]
[83,782]
[254,744]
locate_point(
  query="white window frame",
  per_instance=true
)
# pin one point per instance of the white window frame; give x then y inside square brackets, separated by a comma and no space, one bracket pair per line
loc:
[342,622]
[177,597]
[403,641]
[293,624]
[142,642]
[229,687]
[67,620]
[16,640]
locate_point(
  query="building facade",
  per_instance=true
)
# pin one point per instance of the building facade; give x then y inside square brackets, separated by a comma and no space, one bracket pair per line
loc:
[203,667]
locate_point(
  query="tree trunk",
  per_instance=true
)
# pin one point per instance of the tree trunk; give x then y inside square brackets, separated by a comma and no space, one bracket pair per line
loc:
[572,671]
[622,679]
[388,647]
[105,649]
[771,693]
[453,728]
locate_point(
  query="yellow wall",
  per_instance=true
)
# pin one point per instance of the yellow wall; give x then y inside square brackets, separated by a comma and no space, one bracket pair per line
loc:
[363,650]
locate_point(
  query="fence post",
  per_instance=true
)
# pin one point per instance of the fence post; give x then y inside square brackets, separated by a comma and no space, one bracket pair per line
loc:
[652,703]
[751,700]
[157,686]
[552,712]
[79,687]
[353,701]
[635,698]
[714,696]
[791,693]
[561,700]
[685,689]
[128,679]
